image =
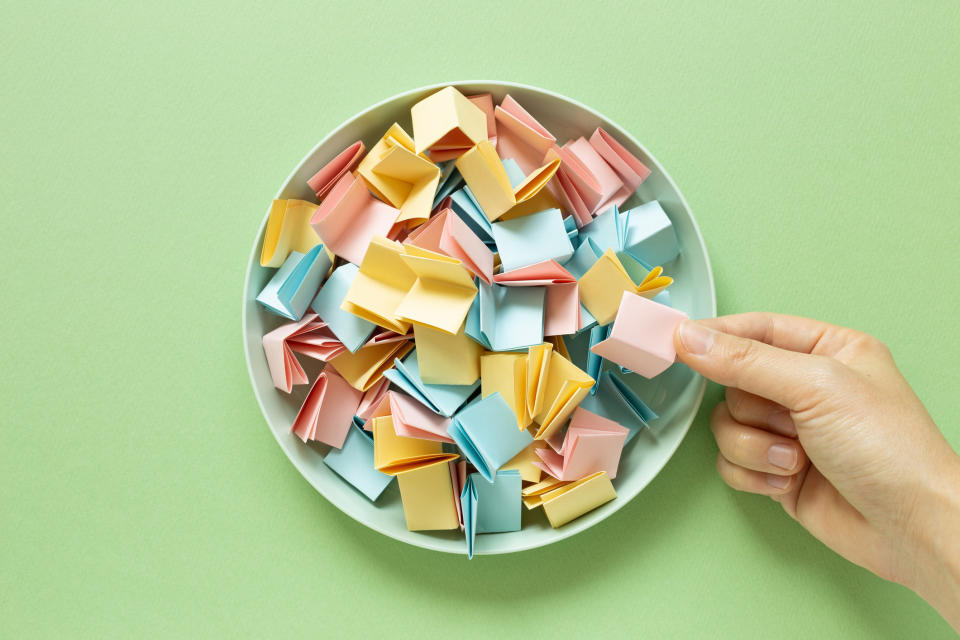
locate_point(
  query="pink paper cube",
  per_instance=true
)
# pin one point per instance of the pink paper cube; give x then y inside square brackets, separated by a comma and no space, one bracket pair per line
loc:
[642,336]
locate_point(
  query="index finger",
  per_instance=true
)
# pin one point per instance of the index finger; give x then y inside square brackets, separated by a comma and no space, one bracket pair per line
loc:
[793,333]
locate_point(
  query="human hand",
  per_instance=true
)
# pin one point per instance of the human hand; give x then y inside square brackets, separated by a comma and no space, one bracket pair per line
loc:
[819,418]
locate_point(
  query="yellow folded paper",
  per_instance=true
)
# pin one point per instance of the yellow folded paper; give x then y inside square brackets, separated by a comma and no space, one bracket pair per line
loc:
[505,373]
[365,367]
[654,283]
[381,285]
[566,386]
[538,365]
[393,454]
[444,358]
[524,462]
[288,229]
[532,496]
[428,501]
[401,177]
[559,345]
[483,172]
[571,501]
[447,121]
[442,293]
[602,286]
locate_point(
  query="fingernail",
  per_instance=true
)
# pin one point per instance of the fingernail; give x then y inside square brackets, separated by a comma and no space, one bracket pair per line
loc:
[696,338]
[783,456]
[778,482]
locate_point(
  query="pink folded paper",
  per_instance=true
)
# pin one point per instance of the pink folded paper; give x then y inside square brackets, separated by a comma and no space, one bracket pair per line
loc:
[323,180]
[372,398]
[630,170]
[446,233]
[562,306]
[611,190]
[642,336]
[350,217]
[413,420]
[592,444]
[484,102]
[328,410]
[310,336]
[520,136]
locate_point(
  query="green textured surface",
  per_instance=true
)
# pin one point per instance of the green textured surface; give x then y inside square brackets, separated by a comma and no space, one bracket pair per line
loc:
[141,493]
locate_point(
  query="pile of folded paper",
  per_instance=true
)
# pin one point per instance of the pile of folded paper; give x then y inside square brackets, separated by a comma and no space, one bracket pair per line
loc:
[465,286]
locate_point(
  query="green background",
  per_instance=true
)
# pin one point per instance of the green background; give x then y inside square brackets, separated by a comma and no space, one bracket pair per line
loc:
[141,493]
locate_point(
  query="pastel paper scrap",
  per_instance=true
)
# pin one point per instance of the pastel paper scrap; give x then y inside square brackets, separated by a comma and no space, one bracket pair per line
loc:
[353,331]
[448,234]
[532,495]
[592,443]
[484,102]
[616,400]
[285,369]
[328,410]
[520,136]
[611,190]
[562,301]
[486,432]
[570,224]
[288,229]
[316,341]
[393,453]
[602,287]
[447,121]
[609,231]
[466,207]
[584,257]
[350,217]
[442,293]
[450,181]
[571,501]
[366,367]
[372,398]
[507,318]
[525,462]
[447,359]
[629,169]
[323,180]
[380,285]
[354,463]
[564,387]
[531,239]
[440,398]
[411,419]
[468,502]
[650,235]
[289,291]
[595,361]
[642,336]
[579,188]
[458,478]
[494,507]
[506,374]
[543,200]
[428,499]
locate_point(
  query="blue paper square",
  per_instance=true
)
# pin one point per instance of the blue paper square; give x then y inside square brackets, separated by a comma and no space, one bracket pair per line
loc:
[292,287]
[354,463]
[487,434]
[353,331]
[506,318]
[531,239]
[444,399]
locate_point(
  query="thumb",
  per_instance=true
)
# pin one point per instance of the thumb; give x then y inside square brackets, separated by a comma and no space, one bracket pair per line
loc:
[787,377]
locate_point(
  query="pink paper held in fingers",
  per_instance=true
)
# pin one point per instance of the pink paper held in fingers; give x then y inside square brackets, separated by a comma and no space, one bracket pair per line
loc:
[631,171]
[562,300]
[642,336]
[328,410]
[592,443]
[350,217]
[412,419]
[446,233]
[324,180]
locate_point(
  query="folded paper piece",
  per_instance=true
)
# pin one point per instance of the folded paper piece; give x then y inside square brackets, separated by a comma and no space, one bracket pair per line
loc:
[493,507]
[642,336]
[506,374]
[458,477]
[531,239]
[450,181]
[442,293]
[532,495]
[447,233]
[584,257]
[602,287]
[350,217]
[393,454]
[447,359]
[354,463]
[280,345]
[400,176]
[351,330]
[520,136]
[381,285]
[507,318]
[596,185]
[487,434]
[541,202]
[323,180]
[556,387]
[525,462]
[629,169]
[289,291]
[327,413]
[650,234]
[611,230]
[428,498]
[467,209]
[366,367]
[483,172]
[484,102]
[594,361]
[411,419]
[372,398]
[570,501]
[617,401]
[444,399]
[562,303]
[446,121]
[288,229]
[592,443]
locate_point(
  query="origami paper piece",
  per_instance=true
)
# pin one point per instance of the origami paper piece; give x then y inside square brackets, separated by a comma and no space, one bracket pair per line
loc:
[366,367]
[393,454]
[400,176]
[562,302]
[442,293]
[467,209]
[610,230]
[594,361]
[381,285]
[458,478]
[616,400]
[487,434]
[280,345]
[602,287]
[506,374]
[323,180]
[351,330]
[562,388]
[595,185]
[328,410]
[428,499]
[491,507]
[445,358]
[350,217]
[450,181]
[531,239]
[520,136]
[444,399]
[288,229]
[289,291]
[592,443]
[573,232]
[642,336]
[411,419]
[628,168]
[483,172]
[525,462]
[532,496]
[650,234]
[354,463]
[447,121]
[570,501]
[447,233]
[372,398]
[506,318]
[543,200]
[584,257]
[484,102]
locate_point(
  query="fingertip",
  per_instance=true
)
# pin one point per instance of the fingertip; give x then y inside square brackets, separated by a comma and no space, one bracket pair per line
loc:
[691,338]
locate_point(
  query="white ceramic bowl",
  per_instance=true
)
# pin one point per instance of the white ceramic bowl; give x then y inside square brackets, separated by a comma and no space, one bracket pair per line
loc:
[675,394]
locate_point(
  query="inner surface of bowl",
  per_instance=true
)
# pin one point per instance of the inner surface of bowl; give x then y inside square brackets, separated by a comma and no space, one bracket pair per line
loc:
[675,395]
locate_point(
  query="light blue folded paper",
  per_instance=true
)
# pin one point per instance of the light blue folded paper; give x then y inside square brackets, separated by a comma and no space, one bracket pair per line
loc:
[353,331]
[663,298]
[651,237]
[444,399]
[572,231]
[582,259]
[609,230]
[587,321]
[531,239]
[514,173]
[354,463]
[617,401]
[450,179]
[487,434]
[465,205]
[491,507]
[594,362]
[292,287]
[506,318]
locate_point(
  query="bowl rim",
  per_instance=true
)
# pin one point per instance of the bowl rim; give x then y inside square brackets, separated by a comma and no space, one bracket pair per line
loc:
[425,542]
